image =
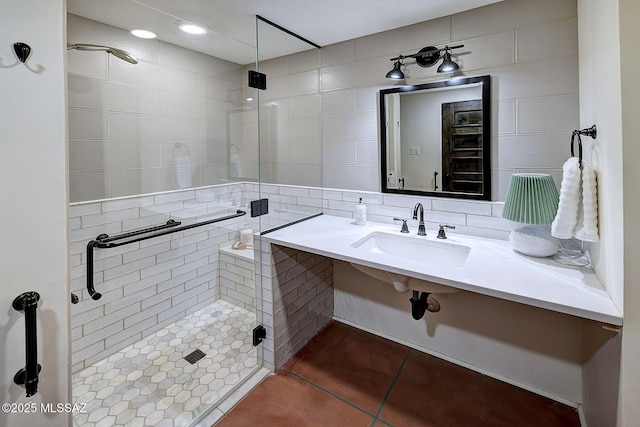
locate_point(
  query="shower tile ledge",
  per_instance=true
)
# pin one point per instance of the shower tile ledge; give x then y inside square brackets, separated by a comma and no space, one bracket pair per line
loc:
[492,267]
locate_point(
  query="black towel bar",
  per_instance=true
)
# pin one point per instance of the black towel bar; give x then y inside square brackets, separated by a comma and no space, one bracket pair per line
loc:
[104,241]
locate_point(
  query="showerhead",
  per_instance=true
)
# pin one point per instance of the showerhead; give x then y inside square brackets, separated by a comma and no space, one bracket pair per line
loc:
[119,53]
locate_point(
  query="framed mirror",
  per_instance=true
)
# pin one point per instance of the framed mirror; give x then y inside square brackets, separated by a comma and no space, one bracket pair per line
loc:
[435,139]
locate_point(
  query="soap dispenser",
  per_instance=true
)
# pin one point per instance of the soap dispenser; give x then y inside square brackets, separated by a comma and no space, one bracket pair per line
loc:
[361,213]
[246,235]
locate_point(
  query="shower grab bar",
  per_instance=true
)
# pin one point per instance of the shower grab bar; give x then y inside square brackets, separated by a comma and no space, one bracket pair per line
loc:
[105,238]
[104,241]
[28,302]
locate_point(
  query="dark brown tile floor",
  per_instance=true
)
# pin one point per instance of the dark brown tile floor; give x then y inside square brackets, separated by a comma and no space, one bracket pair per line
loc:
[347,377]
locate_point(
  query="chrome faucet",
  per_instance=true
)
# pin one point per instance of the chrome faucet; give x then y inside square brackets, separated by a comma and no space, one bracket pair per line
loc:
[421,229]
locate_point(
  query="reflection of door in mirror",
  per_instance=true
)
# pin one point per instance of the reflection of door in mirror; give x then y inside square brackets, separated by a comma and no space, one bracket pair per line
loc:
[462,146]
[394,172]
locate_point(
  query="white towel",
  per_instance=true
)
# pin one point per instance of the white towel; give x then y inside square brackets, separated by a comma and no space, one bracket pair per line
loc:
[182,163]
[236,165]
[587,228]
[564,224]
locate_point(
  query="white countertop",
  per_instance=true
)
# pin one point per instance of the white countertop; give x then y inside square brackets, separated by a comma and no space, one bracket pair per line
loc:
[492,267]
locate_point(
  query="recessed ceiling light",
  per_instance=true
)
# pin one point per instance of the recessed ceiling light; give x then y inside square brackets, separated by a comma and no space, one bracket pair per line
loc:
[144,34]
[192,27]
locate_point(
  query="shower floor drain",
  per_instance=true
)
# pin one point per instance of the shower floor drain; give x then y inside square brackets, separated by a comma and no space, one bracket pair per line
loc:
[194,356]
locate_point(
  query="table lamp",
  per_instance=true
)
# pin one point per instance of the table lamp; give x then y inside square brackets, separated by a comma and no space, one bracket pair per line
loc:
[532,198]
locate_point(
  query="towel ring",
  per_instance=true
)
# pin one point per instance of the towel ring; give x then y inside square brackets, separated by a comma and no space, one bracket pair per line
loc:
[178,146]
[592,132]
[573,138]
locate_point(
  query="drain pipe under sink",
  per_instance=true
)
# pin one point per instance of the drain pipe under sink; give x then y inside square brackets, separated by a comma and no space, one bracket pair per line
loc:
[421,303]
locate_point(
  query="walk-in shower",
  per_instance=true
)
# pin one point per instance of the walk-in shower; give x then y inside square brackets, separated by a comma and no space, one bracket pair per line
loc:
[119,53]
[176,330]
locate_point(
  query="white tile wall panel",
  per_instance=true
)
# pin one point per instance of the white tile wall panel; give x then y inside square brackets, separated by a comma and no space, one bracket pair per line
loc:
[306,152]
[468,207]
[367,99]
[534,151]
[508,14]
[340,128]
[493,50]
[176,104]
[136,127]
[539,78]
[89,125]
[292,85]
[394,42]
[306,60]
[174,56]
[339,102]
[548,114]
[504,117]
[348,177]
[108,155]
[369,72]
[104,95]
[305,106]
[89,185]
[92,66]
[152,75]
[339,53]
[367,152]
[303,130]
[547,40]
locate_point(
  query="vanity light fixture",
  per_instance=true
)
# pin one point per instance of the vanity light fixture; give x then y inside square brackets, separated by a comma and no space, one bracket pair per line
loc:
[143,34]
[532,198]
[447,66]
[192,27]
[426,57]
[396,73]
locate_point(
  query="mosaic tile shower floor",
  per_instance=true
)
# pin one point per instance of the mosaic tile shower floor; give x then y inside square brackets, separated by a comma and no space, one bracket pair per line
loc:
[150,383]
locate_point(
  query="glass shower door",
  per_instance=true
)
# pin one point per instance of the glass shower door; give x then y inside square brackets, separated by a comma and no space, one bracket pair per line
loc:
[290,137]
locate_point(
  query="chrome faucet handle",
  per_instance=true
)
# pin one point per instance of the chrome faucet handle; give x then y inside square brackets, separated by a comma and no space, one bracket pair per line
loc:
[405,227]
[441,233]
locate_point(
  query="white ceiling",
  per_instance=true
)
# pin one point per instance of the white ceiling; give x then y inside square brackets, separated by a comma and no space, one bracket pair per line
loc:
[233,22]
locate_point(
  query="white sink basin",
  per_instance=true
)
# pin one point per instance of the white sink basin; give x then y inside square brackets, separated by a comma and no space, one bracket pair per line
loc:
[443,254]
[404,283]
[420,249]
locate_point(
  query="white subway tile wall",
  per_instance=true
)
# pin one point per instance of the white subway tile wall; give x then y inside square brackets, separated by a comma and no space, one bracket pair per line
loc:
[148,285]
[297,289]
[237,277]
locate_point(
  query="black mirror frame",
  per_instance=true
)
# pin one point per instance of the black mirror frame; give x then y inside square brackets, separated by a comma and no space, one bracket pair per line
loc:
[486,137]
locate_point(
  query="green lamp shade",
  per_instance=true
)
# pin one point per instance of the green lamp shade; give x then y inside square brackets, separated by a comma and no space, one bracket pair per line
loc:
[532,198]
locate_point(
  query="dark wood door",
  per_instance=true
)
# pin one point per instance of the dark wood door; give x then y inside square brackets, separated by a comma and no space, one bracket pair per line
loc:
[462,147]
